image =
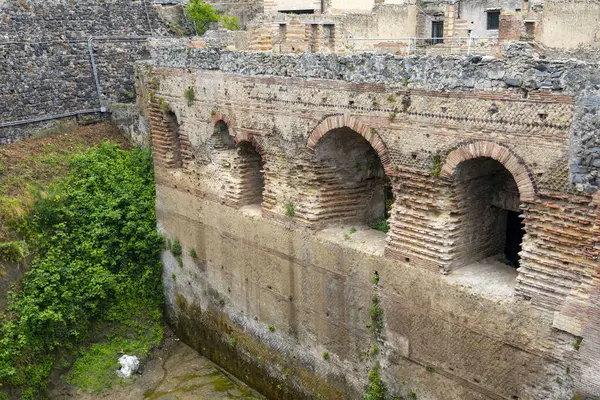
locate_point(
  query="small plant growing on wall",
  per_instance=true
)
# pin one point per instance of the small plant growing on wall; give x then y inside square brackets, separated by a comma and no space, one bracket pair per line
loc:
[381,225]
[376,389]
[436,168]
[190,96]
[271,328]
[376,314]
[290,210]
[374,350]
[232,342]
[176,248]
[193,253]
[325,355]
[577,343]
[375,278]
[162,103]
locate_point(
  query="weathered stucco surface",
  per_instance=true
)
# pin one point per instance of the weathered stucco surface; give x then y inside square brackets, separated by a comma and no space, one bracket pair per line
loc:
[440,129]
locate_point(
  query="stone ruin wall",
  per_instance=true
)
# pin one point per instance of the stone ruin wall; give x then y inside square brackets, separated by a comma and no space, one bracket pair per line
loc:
[245,10]
[445,337]
[45,68]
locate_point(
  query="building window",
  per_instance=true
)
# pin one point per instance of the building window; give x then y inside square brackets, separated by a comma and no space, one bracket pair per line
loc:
[493,20]
[437,31]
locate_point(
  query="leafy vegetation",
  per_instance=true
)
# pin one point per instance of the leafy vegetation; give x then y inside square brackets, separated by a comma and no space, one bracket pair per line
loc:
[176,248]
[381,225]
[376,389]
[375,278]
[203,14]
[376,314]
[436,168]
[190,96]
[95,274]
[230,22]
[13,251]
[290,210]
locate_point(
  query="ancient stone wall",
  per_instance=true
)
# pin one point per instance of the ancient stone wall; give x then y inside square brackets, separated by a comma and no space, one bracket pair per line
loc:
[289,275]
[45,68]
[245,10]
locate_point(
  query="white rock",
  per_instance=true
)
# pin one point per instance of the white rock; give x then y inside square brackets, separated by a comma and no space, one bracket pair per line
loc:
[129,365]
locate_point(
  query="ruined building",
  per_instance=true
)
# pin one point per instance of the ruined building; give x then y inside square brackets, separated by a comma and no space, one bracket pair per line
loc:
[432,26]
[435,214]
[485,286]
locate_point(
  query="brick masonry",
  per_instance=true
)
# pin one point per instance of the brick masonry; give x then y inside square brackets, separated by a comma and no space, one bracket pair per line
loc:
[429,140]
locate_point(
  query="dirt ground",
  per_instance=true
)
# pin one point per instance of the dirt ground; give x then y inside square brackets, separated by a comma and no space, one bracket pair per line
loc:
[174,372]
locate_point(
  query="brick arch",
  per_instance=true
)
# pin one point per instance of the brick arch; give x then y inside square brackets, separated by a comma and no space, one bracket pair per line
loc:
[511,161]
[245,137]
[346,121]
[238,138]
[220,117]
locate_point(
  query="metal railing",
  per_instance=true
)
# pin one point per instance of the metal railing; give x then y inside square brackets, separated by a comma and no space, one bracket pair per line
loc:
[427,45]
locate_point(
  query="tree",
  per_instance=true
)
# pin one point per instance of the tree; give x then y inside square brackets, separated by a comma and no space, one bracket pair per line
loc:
[203,14]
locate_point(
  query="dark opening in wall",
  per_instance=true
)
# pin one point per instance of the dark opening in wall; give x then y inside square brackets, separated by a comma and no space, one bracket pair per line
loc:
[221,139]
[514,237]
[489,212]
[171,120]
[349,180]
[251,172]
[493,20]
[297,12]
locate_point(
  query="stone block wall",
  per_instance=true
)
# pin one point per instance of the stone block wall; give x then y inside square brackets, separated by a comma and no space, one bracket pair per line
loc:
[452,330]
[46,66]
[245,10]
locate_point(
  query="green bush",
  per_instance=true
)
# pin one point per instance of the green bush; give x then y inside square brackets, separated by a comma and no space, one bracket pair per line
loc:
[376,389]
[201,14]
[190,96]
[382,225]
[230,22]
[13,251]
[96,266]
[176,248]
